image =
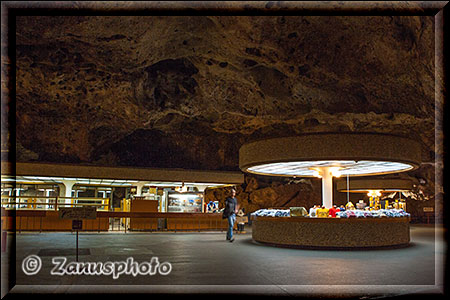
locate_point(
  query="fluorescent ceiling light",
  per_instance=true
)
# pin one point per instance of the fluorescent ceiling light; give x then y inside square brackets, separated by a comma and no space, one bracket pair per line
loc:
[347,167]
[97,181]
[8,179]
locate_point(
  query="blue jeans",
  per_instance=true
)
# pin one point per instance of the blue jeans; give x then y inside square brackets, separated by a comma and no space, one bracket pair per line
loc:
[231,220]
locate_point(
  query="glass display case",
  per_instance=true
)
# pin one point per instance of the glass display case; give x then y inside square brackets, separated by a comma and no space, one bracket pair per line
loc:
[185,202]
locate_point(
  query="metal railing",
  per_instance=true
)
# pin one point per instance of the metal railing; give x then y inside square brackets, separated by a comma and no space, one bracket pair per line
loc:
[164,221]
[52,203]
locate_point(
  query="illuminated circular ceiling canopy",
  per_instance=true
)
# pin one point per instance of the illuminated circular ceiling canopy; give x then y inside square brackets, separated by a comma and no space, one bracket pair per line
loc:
[352,154]
[345,167]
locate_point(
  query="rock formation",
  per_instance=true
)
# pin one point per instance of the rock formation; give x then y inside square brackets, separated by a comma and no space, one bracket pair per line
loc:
[188,91]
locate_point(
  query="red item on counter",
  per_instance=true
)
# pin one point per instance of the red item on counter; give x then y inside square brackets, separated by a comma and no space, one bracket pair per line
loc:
[332,211]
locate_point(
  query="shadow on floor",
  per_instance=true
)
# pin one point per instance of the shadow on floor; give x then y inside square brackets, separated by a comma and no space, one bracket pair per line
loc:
[250,241]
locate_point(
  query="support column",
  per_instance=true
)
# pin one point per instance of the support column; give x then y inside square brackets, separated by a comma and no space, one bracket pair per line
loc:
[67,190]
[139,186]
[327,187]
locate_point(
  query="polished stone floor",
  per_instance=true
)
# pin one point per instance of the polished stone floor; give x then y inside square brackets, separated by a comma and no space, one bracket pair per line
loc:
[206,263]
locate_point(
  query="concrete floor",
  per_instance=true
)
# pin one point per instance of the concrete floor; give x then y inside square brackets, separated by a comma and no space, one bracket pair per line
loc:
[206,263]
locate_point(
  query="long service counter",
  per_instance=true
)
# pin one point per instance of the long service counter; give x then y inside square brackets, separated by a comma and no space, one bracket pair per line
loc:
[38,220]
[333,233]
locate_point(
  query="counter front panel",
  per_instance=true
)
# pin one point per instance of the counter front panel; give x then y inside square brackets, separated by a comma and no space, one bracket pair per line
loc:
[331,232]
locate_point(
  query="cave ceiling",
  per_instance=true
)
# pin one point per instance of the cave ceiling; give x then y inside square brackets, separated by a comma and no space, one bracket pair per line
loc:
[188,91]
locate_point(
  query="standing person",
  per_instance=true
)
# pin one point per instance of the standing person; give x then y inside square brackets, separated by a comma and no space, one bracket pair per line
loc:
[229,213]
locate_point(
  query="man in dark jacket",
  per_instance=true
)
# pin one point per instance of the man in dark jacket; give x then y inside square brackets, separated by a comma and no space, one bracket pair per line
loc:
[230,211]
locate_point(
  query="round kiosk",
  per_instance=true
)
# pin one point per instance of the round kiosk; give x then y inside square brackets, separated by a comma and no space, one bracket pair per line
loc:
[328,155]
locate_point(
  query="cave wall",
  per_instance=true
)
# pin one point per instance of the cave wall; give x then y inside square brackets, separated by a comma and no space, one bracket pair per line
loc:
[188,91]
[201,86]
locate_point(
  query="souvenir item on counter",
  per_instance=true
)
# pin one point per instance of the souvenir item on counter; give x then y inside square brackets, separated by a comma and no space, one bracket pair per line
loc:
[360,204]
[389,213]
[313,211]
[395,204]
[349,205]
[271,213]
[298,211]
[332,211]
[322,212]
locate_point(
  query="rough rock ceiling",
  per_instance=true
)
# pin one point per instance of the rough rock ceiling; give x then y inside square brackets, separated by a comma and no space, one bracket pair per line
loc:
[187,92]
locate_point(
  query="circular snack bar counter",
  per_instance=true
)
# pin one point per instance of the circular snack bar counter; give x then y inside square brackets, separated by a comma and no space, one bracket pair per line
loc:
[335,233]
[327,155]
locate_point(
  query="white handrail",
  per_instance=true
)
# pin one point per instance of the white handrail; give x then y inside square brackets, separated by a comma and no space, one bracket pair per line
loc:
[51,203]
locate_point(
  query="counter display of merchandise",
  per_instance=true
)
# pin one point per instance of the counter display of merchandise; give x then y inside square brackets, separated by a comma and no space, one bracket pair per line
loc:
[185,202]
[388,213]
[272,213]
[349,229]
[355,213]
